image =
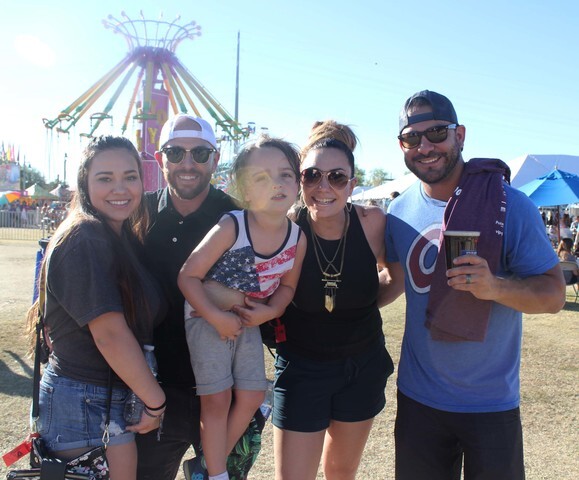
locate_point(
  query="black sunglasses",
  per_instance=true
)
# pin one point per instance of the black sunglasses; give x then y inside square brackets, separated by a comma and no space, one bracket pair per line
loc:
[199,154]
[436,134]
[313,176]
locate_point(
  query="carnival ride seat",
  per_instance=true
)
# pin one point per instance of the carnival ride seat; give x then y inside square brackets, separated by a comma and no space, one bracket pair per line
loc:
[571,279]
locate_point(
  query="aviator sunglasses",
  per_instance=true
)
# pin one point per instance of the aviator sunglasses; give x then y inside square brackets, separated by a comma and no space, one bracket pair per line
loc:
[313,176]
[436,134]
[199,154]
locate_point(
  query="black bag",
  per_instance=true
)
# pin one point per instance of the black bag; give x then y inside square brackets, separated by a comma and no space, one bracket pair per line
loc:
[91,465]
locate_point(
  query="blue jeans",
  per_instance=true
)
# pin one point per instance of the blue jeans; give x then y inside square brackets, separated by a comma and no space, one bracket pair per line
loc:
[72,413]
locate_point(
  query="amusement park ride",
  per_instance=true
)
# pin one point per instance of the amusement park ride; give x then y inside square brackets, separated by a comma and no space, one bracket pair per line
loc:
[159,81]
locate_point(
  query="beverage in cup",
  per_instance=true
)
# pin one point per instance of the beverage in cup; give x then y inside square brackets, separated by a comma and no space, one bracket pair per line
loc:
[457,243]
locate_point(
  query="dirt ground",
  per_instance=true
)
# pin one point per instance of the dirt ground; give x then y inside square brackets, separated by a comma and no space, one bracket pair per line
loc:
[549,391]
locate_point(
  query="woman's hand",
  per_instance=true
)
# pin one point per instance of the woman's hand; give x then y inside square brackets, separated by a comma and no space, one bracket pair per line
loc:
[149,421]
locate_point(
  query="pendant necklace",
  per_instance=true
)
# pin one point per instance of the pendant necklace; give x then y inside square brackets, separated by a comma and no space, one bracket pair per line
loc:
[331,274]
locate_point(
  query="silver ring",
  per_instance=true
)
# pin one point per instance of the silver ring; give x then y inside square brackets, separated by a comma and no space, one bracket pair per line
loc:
[468,279]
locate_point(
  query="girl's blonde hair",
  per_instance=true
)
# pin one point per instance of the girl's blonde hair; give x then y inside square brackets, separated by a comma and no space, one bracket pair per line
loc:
[239,165]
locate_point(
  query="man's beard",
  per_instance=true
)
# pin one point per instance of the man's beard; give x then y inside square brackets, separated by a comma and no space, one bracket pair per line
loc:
[188,192]
[433,176]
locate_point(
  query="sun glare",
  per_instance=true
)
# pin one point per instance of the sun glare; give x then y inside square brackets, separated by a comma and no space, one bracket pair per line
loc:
[34,50]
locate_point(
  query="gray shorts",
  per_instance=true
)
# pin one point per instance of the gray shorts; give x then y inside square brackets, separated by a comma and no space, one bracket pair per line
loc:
[221,364]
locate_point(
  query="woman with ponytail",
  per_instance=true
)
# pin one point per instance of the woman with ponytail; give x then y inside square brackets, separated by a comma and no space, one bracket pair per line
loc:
[332,369]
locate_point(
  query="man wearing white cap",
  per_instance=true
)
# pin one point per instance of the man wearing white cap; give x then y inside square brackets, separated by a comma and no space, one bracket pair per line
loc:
[180,216]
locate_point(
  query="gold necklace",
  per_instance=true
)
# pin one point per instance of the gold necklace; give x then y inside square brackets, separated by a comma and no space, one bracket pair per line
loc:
[330,280]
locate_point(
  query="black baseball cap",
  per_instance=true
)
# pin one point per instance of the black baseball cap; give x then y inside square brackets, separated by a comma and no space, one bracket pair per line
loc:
[442,109]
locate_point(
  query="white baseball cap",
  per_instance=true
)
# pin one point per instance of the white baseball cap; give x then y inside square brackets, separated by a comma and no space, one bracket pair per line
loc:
[184,126]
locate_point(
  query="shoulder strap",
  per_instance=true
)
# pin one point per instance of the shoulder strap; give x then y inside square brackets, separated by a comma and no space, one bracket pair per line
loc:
[38,346]
[38,356]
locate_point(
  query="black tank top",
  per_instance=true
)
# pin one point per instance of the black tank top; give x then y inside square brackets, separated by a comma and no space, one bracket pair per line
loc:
[355,322]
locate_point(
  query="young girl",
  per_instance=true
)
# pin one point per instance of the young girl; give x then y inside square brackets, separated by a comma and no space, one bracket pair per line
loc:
[242,274]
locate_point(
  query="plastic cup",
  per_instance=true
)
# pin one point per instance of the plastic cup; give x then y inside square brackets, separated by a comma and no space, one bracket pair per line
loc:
[459,242]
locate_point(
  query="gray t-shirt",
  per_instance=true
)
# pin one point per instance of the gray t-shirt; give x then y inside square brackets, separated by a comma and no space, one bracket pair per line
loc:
[82,285]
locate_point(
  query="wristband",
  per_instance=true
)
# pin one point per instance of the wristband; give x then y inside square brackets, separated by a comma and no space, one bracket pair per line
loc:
[151,409]
[153,416]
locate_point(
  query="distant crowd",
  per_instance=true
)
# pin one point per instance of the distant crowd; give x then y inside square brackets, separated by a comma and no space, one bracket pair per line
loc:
[37,214]
[568,227]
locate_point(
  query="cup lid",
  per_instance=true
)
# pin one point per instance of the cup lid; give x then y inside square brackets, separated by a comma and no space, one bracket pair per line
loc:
[461,233]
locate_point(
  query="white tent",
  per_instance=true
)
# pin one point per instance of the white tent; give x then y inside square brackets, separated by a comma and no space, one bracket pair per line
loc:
[573,209]
[529,167]
[523,170]
[383,191]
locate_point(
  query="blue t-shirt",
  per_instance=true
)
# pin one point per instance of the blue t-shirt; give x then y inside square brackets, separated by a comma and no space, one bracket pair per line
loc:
[462,376]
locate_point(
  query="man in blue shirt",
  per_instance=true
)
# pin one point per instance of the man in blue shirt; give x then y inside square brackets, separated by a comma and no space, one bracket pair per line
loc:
[458,396]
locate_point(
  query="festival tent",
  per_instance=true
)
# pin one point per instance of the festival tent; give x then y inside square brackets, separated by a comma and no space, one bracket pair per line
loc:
[383,191]
[554,189]
[529,167]
[360,188]
[36,192]
[523,170]
[573,209]
[61,192]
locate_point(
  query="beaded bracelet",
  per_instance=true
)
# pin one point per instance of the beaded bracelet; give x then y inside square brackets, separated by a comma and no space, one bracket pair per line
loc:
[158,408]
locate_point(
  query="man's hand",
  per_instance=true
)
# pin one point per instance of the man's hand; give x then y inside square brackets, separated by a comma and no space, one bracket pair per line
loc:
[472,274]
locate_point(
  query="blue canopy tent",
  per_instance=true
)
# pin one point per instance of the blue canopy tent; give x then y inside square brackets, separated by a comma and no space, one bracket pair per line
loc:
[554,189]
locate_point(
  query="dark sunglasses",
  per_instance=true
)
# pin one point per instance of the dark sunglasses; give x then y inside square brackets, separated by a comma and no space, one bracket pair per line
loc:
[199,154]
[313,176]
[436,134]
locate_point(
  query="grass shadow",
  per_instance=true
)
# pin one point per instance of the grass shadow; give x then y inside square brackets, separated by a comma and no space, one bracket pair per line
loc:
[571,306]
[13,383]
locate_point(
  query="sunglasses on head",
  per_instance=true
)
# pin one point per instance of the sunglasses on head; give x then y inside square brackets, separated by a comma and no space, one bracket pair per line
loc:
[199,154]
[436,134]
[313,176]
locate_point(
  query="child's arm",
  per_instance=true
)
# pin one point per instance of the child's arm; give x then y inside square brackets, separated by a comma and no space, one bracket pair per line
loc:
[216,242]
[254,313]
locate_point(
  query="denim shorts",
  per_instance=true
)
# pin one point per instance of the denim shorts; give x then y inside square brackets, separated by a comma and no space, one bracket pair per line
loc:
[72,413]
[309,394]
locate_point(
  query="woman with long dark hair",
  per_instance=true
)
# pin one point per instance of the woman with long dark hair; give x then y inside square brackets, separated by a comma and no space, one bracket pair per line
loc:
[99,310]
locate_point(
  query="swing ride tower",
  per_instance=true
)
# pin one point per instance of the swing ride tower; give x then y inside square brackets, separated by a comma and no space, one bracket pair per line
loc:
[157,82]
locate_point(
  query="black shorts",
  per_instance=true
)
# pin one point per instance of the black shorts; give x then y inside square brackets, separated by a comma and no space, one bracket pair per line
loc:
[308,394]
[432,444]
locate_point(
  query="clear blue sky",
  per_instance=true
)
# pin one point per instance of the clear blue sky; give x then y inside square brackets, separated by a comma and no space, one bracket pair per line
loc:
[510,67]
